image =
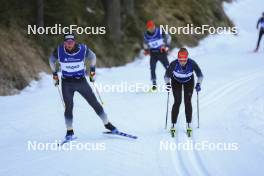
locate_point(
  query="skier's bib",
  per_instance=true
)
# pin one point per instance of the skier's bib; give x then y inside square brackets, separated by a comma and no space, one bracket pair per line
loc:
[72,65]
[183,75]
[154,41]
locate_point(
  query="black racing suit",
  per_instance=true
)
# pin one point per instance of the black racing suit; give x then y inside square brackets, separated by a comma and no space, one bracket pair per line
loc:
[261,31]
[156,54]
[187,88]
[70,85]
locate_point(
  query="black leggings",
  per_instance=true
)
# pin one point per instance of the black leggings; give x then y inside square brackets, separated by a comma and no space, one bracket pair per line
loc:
[261,32]
[154,58]
[177,93]
[69,86]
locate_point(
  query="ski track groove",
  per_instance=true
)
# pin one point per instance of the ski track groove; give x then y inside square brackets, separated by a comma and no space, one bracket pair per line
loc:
[192,158]
[228,88]
[181,157]
[223,90]
[188,159]
[181,166]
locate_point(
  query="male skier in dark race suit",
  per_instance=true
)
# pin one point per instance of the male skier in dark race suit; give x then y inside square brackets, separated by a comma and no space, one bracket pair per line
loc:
[261,30]
[72,57]
[156,43]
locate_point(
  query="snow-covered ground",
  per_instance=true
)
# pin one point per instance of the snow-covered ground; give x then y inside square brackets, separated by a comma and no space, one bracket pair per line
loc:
[231,111]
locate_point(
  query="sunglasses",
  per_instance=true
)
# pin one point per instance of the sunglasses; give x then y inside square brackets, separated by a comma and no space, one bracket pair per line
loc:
[69,42]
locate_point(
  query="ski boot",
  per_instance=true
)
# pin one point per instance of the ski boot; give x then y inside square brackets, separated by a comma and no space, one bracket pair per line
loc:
[154,87]
[111,127]
[69,135]
[172,131]
[189,130]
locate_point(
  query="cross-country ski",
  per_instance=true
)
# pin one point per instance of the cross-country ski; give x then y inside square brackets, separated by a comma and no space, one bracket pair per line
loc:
[135,88]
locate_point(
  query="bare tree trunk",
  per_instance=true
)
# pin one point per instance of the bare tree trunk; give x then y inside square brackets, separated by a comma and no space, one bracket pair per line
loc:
[113,18]
[129,7]
[40,13]
[90,5]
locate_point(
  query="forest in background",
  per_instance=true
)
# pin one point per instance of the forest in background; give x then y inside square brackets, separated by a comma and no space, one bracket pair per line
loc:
[23,56]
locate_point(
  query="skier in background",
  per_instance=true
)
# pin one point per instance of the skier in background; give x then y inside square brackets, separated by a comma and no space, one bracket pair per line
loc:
[156,43]
[179,76]
[261,30]
[72,58]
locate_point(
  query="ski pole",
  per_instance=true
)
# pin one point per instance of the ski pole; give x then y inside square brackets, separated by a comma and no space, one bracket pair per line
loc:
[61,97]
[167,111]
[98,94]
[198,109]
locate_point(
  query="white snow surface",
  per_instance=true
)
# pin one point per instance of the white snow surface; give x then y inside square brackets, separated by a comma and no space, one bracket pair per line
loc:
[231,111]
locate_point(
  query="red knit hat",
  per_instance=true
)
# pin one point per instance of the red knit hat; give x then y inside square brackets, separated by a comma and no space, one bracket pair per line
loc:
[183,55]
[150,24]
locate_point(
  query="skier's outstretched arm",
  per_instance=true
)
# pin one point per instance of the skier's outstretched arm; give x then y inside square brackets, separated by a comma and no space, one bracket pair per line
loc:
[91,57]
[167,39]
[169,71]
[53,60]
[198,72]
[258,23]
[145,43]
